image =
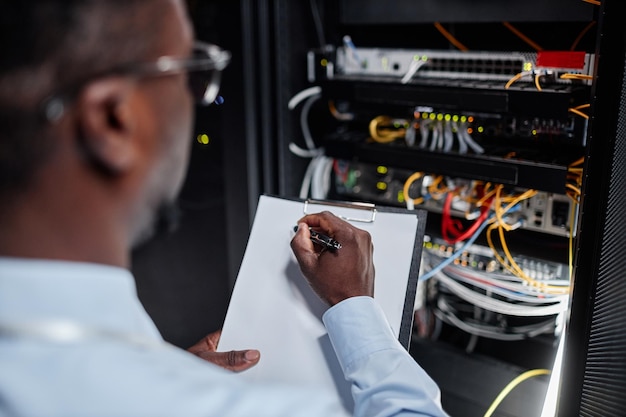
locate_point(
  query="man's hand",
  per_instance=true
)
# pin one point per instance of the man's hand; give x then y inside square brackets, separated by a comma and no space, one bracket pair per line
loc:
[235,360]
[335,274]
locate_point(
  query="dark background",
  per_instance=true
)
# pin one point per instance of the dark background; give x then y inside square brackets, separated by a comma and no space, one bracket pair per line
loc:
[184,279]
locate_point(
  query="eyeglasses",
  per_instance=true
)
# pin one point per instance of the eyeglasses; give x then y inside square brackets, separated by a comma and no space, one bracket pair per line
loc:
[203,69]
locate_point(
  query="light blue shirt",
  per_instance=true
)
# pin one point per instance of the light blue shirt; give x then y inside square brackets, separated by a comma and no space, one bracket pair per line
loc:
[75,341]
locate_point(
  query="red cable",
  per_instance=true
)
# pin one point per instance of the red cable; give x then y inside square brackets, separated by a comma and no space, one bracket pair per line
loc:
[453,227]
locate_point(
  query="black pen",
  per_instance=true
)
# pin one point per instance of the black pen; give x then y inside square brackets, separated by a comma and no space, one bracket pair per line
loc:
[322,240]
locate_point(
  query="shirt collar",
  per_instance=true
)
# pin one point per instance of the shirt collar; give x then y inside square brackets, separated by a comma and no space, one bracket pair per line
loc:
[99,296]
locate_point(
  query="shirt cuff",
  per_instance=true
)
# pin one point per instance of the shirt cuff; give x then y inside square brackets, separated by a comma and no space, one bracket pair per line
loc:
[357,327]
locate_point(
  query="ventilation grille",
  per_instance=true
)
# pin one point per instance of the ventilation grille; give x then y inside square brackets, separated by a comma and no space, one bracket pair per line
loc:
[605,373]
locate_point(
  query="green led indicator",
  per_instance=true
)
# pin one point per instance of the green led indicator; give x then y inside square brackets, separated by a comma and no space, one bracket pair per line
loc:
[381,169]
[481,129]
[203,139]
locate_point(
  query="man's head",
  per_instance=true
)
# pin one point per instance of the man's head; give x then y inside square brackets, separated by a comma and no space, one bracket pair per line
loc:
[91,127]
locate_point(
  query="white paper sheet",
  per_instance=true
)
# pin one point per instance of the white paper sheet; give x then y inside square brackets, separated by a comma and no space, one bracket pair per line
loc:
[273,309]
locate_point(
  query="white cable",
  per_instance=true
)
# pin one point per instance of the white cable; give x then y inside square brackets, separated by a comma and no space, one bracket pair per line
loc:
[320,182]
[306,180]
[347,41]
[326,177]
[424,131]
[505,289]
[304,153]
[498,306]
[440,138]
[302,95]
[459,137]
[409,136]
[413,68]
[483,331]
[435,139]
[304,121]
[529,330]
[312,151]
[472,144]
[449,138]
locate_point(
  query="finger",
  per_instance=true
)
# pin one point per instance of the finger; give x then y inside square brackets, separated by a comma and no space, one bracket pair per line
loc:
[213,339]
[235,360]
[324,220]
[301,242]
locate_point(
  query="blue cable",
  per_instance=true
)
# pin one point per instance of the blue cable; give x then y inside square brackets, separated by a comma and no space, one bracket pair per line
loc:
[467,243]
[456,254]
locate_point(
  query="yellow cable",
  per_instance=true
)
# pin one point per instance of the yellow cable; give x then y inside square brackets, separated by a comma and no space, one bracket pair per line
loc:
[512,202]
[571,76]
[436,192]
[571,240]
[488,195]
[537,82]
[571,197]
[581,34]
[573,188]
[386,135]
[512,80]
[502,226]
[454,41]
[579,161]
[522,36]
[578,112]
[492,246]
[514,265]
[407,184]
[511,385]
[337,114]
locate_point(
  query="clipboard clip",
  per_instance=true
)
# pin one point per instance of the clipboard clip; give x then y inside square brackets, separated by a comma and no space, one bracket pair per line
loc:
[365,207]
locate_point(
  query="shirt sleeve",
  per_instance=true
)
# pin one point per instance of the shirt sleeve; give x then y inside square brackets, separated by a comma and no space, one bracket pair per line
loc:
[386,380]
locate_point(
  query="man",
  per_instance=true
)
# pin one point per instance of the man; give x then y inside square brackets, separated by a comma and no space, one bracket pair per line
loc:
[95,116]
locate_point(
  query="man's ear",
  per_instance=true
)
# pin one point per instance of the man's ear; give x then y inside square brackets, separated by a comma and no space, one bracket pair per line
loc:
[106,122]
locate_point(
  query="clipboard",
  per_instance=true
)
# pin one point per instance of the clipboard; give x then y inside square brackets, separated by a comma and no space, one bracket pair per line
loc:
[273,309]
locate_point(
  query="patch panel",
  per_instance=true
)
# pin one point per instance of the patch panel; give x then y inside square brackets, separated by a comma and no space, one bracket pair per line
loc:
[481,258]
[406,64]
[544,213]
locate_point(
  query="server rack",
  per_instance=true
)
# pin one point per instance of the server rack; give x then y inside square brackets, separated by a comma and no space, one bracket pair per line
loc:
[280,34]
